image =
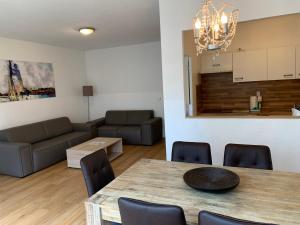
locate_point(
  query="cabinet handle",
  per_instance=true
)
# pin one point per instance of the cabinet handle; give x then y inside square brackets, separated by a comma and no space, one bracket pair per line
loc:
[288,75]
[239,78]
[216,65]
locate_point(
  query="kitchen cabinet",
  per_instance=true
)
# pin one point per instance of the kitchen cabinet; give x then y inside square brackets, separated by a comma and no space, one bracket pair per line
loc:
[298,62]
[211,63]
[281,63]
[250,66]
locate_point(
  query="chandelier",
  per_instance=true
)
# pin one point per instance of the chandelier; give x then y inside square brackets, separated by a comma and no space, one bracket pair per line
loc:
[214,28]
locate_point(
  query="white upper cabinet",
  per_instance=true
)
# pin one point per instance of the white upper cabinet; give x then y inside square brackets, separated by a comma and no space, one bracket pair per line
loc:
[250,66]
[281,63]
[298,62]
[211,63]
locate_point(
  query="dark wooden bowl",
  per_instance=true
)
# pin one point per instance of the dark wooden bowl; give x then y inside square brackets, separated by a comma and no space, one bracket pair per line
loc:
[211,179]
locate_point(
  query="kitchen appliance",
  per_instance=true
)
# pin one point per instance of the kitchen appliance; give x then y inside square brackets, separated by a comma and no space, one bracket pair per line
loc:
[296,111]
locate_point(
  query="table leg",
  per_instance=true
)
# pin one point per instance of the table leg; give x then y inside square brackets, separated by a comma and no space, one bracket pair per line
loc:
[115,150]
[93,214]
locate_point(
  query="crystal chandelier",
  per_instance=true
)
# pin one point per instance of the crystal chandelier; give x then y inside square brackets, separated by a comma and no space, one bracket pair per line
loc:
[214,28]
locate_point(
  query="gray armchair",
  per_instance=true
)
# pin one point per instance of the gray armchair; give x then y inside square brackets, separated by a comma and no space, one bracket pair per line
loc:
[136,127]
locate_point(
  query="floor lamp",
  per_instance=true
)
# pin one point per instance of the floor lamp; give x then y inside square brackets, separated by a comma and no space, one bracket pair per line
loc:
[88,91]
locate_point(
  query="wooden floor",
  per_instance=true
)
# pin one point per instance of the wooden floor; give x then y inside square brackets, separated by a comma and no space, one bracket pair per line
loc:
[55,195]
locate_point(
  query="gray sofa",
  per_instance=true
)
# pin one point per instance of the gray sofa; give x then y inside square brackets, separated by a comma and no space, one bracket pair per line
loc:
[30,148]
[135,127]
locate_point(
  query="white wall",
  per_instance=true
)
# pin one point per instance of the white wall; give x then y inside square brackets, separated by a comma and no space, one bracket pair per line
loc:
[128,77]
[282,135]
[69,72]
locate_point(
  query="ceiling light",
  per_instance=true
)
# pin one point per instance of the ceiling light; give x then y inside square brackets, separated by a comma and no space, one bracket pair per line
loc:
[215,28]
[87,30]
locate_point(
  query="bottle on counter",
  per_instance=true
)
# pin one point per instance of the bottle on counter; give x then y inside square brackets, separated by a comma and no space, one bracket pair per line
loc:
[256,102]
[253,104]
[259,100]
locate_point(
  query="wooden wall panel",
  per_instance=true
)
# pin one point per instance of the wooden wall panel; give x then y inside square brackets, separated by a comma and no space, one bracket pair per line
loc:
[217,93]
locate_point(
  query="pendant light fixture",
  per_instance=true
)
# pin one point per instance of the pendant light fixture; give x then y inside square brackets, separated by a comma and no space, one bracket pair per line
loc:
[214,28]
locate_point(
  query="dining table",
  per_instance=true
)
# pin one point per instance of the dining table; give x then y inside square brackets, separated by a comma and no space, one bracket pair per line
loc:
[264,196]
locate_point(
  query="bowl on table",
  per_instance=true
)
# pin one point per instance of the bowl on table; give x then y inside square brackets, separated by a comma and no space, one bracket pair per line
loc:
[211,179]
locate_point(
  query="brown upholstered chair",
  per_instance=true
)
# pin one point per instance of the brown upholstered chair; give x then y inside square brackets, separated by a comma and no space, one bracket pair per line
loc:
[97,171]
[208,218]
[191,152]
[248,156]
[135,212]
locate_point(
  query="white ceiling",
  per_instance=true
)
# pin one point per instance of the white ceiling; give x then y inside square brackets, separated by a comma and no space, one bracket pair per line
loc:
[55,22]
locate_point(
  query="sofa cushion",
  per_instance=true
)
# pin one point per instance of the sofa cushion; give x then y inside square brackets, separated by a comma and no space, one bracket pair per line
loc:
[116,118]
[30,133]
[75,138]
[137,117]
[130,134]
[108,131]
[58,126]
[48,152]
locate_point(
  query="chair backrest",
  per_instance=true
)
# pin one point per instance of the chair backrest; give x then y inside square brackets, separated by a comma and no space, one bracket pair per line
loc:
[135,212]
[208,218]
[248,156]
[191,152]
[97,171]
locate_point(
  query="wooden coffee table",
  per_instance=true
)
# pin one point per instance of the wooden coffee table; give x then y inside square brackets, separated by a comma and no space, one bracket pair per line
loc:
[112,146]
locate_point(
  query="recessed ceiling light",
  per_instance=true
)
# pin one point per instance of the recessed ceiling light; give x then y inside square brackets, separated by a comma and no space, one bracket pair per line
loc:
[87,30]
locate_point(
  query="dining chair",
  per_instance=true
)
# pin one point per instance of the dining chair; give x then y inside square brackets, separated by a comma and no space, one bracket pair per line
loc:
[248,156]
[209,218]
[97,171]
[136,212]
[191,152]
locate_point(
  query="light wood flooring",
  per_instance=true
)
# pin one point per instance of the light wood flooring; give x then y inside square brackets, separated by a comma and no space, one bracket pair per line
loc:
[56,195]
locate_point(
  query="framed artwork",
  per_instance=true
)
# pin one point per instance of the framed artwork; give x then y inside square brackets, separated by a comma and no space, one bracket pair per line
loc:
[21,80]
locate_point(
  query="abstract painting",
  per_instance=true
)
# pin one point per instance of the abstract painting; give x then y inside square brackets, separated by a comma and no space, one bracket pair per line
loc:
[20,80]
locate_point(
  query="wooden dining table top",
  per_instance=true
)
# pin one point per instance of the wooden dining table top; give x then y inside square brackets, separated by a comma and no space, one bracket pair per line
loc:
[262,195]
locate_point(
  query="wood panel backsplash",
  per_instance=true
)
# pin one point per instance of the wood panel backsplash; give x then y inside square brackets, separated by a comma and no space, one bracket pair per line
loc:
[217,93]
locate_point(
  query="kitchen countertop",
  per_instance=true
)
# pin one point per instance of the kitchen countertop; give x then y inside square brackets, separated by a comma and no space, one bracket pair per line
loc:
[247,115]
